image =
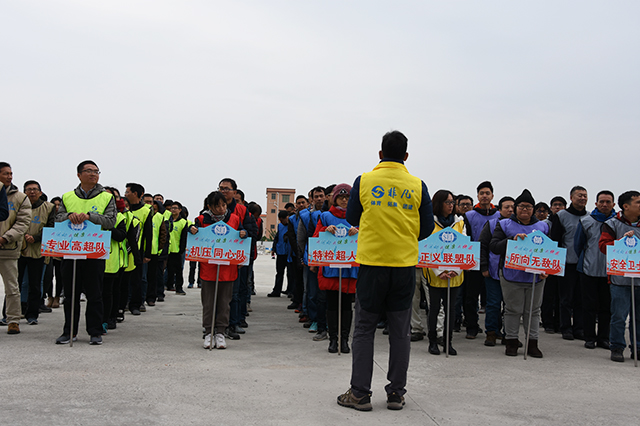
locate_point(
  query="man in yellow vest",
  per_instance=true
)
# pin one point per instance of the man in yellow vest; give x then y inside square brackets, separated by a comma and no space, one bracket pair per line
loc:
[12,230]
[393,210]
[31,260]
[89,201]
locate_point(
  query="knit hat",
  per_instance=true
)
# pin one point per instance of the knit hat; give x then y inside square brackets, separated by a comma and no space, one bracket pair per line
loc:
[341,189]
[525,197]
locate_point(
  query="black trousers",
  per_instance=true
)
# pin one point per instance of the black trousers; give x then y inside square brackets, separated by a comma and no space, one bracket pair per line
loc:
[175,268]
[53,269]
[473,281]
[34,268]
[437,296]
[110,285]
[596,304]
[89,277]
[570,300]
[550,312]
[281,267]
[152,278]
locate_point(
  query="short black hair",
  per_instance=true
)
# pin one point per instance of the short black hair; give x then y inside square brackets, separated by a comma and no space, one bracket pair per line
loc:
[626,197]
[4,164]
[282,214]
[541,205]
[136,188]
[54,199]
[168,203]
[329,189]
[255,209]
[577,188]
[240,193]
[286,206]
[214,198]
[147,195]
[31,182]
[158,195]
[316,189]
[81,165]
[302,196]
[485,184]
[177,203]
[112,189]
[438,200]
[232,182]
[463,197]
[394,145]
[605,192]
[503,200]
[558,198]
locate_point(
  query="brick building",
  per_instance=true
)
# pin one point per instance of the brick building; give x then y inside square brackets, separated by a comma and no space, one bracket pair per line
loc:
[276,200]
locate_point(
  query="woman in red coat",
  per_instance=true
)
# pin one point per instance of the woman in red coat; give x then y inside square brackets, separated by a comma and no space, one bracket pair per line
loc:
[217,211]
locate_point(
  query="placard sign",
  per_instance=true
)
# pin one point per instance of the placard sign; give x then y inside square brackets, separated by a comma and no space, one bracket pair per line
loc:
[218,243]
[623,257]
[448,249]
[330,250]
[85,240]
[536,254]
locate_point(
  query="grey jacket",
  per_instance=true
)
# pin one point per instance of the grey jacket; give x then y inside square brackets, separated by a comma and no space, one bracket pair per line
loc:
[13,228]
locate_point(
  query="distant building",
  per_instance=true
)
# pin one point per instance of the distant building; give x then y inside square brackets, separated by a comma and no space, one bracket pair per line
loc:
[276,200]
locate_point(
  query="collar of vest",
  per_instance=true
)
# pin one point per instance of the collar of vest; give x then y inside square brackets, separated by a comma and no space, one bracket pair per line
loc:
[390,164]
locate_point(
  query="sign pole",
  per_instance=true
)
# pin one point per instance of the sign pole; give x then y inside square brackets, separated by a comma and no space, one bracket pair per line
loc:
[447,342]
[633,321]
[533,289]
[215,302]
[73,303]
[339,311]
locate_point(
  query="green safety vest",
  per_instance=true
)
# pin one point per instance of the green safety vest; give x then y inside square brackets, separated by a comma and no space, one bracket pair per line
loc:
[142,214]
[117,255]
[157,221]
[176,232]
[97,204]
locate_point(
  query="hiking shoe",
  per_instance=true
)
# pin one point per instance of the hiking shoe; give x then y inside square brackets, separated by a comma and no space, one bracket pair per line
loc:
[395,401]
[64,339]
[13,328]
[142,308]
[244,324]
[617,355]
[491,338]
[313,328]
[181,292]
[207,341]
[32,321]
[321,335]
[363,403]
[231,334]
[220,342]
[471,333]
[95,340]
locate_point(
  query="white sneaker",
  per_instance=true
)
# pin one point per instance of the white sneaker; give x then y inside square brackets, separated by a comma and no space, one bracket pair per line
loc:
[220,342]
[207,341]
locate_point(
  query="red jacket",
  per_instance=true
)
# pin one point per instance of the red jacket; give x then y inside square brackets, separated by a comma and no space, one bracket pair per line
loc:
[208,271]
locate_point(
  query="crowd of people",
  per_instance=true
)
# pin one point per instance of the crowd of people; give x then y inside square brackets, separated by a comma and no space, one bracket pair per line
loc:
[147,259]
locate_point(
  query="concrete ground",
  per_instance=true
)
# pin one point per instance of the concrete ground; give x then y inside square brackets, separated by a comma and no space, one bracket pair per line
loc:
[153,370]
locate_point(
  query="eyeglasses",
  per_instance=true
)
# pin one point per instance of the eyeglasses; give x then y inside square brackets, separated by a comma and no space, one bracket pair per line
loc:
[31,190]
[450,202]
[224,189]
[91,171]
[521,207]
[465,204]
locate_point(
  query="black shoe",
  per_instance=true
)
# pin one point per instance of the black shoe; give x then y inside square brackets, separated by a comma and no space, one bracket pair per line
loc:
[293,305]
[617,355]
[433,348]
[95,340]
[590,344]
[416,337]
[471,333]
[631,352]
[111,324]
[578,335]
[344,346]
[452,351]
[65,338]
[231,334]
[604,344]
[549,331]
[567,335]
[142,308]
[244,324]
[381,324]
[440,340]
[120,316]
[395,401]
[333,345]
[45,309]
[135,311]
[160,299]
[181,293]
[273,294]
[456,327]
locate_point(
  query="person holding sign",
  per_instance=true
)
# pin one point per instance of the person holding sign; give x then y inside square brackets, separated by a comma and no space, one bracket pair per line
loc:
[437,279]
[516,285]
[625,224]
[89,201]
[328,277]
[217,211]
[393,211]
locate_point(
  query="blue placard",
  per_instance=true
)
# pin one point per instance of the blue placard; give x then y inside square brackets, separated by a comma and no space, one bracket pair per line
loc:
[218,243]
[329,249]
[85,240]
[623,257]
[536,254]
[448,249]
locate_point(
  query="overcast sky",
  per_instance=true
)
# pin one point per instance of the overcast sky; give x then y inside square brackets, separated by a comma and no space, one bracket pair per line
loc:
[178,94]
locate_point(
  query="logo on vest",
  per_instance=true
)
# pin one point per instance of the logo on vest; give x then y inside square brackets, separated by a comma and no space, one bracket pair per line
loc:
[77,226]
[94,209]
[630,242]
[36,220]
[377,191]
[220,230]
[11,206]
[537,240]
[341,232]
[447,237]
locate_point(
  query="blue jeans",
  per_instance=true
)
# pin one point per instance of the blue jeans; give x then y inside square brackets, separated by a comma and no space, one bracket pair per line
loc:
[493,314]
[620,309]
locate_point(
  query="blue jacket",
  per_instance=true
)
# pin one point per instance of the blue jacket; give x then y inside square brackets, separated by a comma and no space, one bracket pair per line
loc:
[281,247]
[328,219]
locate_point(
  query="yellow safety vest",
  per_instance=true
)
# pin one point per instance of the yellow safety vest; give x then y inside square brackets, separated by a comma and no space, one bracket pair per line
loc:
[176,232]
[117,254]
[432,278]
[97,204]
